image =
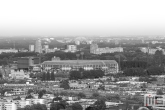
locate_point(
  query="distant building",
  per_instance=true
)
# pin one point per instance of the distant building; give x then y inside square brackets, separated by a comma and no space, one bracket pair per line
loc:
[151,50]
[38,46]
[71,48]
[116,42]
[93,48]
[8,106]
[26,62]
[46,47]
[8,51]
[19,74]
[109,66]
[77,42]
[14,104]
[96,50]
[31,48]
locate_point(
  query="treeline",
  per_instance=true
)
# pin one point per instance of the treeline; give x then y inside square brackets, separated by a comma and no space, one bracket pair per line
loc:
[62,55]
[144,72]
[19,54]
[74,75]
[133,64]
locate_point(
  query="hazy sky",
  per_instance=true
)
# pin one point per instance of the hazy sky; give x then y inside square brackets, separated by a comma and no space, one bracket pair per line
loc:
[82,17]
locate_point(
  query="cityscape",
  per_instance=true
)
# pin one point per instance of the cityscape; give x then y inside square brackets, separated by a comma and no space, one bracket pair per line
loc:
[82,73]
[82,55]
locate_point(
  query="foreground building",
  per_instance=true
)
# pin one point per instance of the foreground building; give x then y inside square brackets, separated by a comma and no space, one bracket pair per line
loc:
[109,66]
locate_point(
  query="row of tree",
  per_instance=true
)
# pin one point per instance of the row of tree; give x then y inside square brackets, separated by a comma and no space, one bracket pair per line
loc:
[144,72]
[47,76]
[81,74]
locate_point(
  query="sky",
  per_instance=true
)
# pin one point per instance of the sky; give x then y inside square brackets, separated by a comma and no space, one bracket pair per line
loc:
[82,17]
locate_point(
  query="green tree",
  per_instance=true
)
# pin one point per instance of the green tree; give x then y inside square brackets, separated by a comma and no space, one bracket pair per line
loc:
[29,97]
[57,99]
[100,104]
[48,76]
[77,106]
[65,84]
[95,95]
[44,76]
[30,91]
[57,106]
[159,92]
[75,75]
[40,94]
[91,108]
[81,95]
[38,107]
[52,76]
[18,98]
[101,87]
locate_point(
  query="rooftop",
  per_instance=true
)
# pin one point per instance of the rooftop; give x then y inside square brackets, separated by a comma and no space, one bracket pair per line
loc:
[81,62]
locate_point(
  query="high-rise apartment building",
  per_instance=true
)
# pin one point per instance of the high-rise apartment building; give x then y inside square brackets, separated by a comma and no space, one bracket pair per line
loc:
[31,48]
[93,48]
[38,46]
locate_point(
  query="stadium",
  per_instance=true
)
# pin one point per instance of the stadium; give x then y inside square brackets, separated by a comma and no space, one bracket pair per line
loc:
[109,66]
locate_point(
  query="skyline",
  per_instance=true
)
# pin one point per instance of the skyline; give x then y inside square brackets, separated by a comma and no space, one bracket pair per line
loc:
[81,18]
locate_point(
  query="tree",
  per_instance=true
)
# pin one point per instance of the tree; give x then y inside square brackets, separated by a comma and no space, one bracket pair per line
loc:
[30,91]
[44,76]
[18,98]
[57,99]
[52,76]
[81,95]
[158,56]
[77,106]
[32,75]
[38,107]
[101,87]
[29,97]
[48,76]
[40,94]
[57,106]
[159,92]
[91,108]
[63,93]
[65,84]
[100,104]
[113,97]
[95,95]
[75,75]
[155,70]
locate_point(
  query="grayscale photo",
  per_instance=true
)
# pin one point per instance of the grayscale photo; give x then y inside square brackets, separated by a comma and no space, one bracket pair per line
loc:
[82,54]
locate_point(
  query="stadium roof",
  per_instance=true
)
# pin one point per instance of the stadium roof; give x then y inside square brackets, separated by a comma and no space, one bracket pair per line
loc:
[80,62]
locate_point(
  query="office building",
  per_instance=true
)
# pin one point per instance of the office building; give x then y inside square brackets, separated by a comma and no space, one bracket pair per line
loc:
[31,48]
[38,46]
